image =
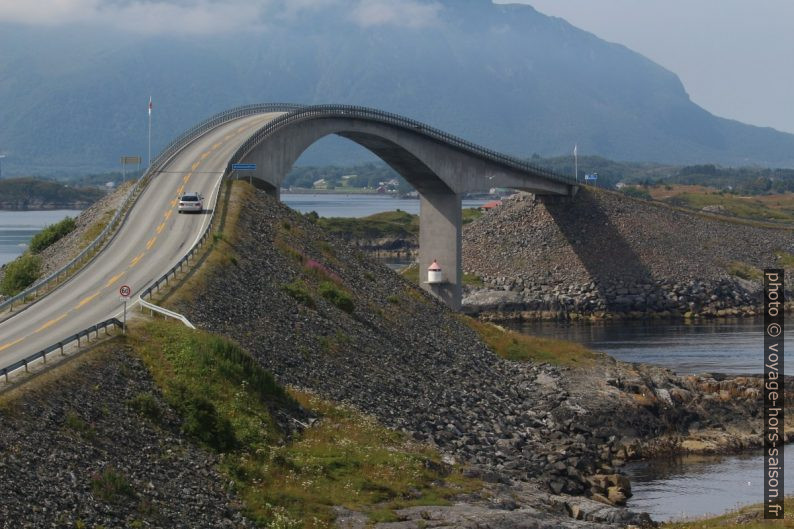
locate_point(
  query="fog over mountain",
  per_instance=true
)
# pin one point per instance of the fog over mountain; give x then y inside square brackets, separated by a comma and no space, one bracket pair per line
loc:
[74,94]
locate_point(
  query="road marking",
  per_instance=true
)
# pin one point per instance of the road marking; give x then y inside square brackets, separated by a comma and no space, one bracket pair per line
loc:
[113,279]
[168,214]
[181,189]
[216,145]
[204,155]
[88,299]
[173,203]
[11,344]
[186,178]
[136,259]
[51,322]
[160,228]
[195,165]
[151,242]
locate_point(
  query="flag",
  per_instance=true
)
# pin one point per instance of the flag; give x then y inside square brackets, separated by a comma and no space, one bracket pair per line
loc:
[150,105]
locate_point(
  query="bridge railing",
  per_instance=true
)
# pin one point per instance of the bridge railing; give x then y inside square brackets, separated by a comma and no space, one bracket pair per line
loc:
[61,346]
[109,230]
[380,116]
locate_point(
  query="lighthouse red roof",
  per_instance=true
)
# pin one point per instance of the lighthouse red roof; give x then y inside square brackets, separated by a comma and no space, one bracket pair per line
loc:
[434,266]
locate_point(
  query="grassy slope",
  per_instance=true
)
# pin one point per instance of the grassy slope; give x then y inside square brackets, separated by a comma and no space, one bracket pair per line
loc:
[229,403]
[345,459]
[766,208]
[386,224]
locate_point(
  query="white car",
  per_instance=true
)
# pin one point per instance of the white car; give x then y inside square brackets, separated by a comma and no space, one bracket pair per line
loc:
[191,202]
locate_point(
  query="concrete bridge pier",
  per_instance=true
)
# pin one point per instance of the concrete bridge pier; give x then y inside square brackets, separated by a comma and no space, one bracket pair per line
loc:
[440,224]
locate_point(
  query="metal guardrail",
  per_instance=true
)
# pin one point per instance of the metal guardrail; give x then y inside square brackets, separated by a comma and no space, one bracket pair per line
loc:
[379,116]
[165,312]
[171,149]
[85,333]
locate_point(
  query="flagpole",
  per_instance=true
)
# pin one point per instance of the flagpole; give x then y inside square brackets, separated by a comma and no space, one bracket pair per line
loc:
[576,163]
[150,132]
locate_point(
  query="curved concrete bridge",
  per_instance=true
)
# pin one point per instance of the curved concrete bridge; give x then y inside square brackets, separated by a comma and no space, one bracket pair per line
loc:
[440,166]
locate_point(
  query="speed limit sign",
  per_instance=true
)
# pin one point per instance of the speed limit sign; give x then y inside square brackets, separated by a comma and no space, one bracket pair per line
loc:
[125,292]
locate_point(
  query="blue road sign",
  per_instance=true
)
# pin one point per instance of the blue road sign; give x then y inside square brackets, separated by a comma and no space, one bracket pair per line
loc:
[243,167]
[593,176]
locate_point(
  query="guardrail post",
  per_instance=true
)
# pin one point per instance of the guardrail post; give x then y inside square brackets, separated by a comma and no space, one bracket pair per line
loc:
[5,372]
[60,344]
[26,366]
[44,356]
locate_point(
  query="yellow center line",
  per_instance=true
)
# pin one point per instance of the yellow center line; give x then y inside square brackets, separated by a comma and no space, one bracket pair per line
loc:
[51,322]
[216,145]
[113,279]
[160,227]
[168,214]
[136,260]
[151,243]
[186,178]
[173,203]
[204,155]
[88,299]
[10,344]
[195,166]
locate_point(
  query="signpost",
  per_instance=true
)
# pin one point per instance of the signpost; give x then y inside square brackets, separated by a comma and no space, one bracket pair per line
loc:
[128,160]
[591,177]
[245,167]
[125,291]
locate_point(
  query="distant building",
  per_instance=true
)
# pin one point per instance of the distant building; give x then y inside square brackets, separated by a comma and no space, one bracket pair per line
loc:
[490,205]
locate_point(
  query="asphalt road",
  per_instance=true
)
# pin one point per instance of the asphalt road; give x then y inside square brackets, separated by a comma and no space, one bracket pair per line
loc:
[153,239]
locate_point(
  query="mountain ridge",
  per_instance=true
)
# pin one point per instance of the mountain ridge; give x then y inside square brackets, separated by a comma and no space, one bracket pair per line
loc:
[501,75]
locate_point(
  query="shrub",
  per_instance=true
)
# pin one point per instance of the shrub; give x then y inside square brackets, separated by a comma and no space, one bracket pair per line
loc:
[110,485]
[337,296]
[297,289]
[52,234]
[146,405]
[636,192]
[20,274]
[202,421]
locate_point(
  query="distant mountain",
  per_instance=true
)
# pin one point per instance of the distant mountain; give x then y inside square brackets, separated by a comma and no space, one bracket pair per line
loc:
[504,76]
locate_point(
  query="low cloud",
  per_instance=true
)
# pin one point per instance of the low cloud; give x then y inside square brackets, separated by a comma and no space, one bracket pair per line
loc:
[407,13]
[210,16]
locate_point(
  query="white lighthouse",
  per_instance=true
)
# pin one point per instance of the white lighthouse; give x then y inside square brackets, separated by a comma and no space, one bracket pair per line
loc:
[434,273]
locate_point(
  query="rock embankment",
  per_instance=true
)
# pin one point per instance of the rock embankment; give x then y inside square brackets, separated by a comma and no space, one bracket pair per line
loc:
[606,255]
[76,453]
[396,353]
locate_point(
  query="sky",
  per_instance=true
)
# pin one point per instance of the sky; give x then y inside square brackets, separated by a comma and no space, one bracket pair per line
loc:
[735,57]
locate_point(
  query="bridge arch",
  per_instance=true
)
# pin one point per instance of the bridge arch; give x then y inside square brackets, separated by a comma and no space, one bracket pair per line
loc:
[440,166]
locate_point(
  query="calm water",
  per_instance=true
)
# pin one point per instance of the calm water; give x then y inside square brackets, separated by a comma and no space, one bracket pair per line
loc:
[18,227]
[693,486]
[734,346]
[355,205]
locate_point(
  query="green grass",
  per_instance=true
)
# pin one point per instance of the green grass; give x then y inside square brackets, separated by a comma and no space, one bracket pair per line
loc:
[300,292]
[20,274]
[111,486]
[745,271]
[96,228]
[337,296]
[521,347]
[784,259]
[746,518]
[52,234]
[745,208]
[227,403]
[397,224]
[471,214]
